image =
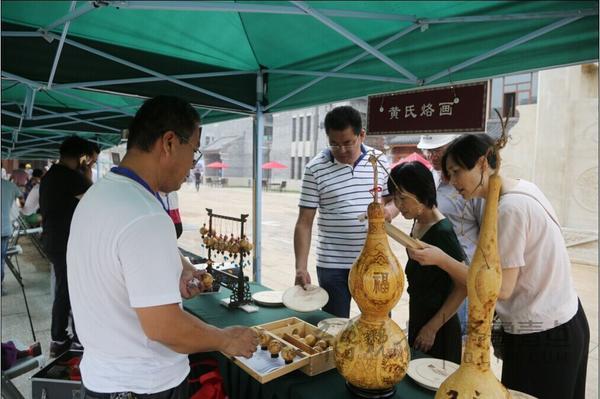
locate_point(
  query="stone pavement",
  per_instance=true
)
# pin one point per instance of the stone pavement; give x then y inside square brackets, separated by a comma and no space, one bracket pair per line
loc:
[280,211]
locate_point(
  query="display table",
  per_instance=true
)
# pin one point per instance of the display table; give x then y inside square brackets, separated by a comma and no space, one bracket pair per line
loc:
[295,385]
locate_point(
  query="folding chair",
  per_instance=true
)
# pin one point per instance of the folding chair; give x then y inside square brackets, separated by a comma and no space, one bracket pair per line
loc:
[22,228]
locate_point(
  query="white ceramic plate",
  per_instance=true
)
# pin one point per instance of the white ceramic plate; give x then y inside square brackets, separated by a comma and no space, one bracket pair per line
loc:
[305,300]
[333,325]
[430,373]
[268,298]
[520,395]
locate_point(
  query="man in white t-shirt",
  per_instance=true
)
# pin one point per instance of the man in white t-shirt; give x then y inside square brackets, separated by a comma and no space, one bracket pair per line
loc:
[126,276]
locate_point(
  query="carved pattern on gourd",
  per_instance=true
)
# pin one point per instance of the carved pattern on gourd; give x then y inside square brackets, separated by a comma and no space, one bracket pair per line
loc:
[474,378]
[372,351]
[379,361]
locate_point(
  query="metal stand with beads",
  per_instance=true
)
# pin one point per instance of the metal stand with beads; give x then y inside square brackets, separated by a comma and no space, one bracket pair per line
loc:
[238,248]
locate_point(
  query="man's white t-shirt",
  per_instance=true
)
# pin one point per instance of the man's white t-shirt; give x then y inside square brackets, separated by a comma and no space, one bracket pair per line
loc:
[529,238]
[122,254]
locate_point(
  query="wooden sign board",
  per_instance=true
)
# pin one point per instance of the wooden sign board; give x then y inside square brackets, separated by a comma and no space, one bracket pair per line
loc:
[456,108]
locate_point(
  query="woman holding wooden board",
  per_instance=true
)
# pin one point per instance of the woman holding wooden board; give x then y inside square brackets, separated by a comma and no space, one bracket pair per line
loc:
[546,333]
[433,325]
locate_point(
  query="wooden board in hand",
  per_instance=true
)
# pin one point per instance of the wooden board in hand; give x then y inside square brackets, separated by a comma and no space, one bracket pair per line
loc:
[403,238]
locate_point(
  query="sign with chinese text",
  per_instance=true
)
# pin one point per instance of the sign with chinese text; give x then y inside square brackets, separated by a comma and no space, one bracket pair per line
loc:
[457,108]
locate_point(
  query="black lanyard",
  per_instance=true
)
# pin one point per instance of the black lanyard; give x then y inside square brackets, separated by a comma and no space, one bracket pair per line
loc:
[120,170]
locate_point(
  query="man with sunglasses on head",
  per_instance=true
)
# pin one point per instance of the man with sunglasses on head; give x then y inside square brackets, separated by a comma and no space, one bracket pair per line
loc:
[126,275]
[337,182]
[465,216]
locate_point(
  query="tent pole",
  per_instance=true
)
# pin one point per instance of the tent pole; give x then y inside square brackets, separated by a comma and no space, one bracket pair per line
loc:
[344,65]
[98,83]
[29,101]
[60,46]
[257,144]
[504,47]
[55,115]
[73,14]
[354,39]
[77,120]
[340,75]
[131,65]
[154,73]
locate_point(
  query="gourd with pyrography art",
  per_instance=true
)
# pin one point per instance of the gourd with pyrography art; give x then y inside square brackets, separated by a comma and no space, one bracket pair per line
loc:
[474,378]
[372,352]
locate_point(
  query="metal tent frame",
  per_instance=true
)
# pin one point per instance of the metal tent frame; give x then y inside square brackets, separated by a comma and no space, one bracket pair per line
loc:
[55,124]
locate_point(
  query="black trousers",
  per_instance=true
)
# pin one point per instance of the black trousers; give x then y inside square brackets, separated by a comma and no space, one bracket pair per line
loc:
[61,307]
[178,392]
[550,364]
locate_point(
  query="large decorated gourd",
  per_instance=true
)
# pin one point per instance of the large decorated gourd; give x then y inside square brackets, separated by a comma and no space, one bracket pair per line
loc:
[474,378]
[372,352]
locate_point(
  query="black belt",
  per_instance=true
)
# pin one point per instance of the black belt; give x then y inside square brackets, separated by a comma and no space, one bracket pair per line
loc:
[112,395]
[169,393]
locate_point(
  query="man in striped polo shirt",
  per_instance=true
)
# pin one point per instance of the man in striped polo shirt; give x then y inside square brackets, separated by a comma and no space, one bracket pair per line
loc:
[337,182]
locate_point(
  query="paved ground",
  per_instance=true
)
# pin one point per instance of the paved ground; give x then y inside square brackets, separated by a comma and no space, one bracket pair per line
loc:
[279,216]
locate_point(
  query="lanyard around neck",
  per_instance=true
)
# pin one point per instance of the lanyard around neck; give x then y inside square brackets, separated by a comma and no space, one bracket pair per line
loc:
[120,170]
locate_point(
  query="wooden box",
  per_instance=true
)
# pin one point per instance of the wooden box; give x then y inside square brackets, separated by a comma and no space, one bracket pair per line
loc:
[287,331]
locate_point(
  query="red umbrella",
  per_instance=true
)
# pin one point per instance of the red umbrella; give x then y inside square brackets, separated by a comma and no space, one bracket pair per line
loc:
[273,165]
[217,165]
[412,158]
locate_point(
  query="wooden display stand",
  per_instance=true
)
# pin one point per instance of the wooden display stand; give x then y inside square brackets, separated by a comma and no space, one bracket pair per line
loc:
[233,280]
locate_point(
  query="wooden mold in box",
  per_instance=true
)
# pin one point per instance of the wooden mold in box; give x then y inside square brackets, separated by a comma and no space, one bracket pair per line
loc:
[290,332]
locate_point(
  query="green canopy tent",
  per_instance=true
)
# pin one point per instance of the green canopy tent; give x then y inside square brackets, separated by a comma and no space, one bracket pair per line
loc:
[97,116]
[248,58]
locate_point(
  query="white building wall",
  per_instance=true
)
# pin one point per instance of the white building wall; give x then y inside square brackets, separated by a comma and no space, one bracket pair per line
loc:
[555,145]
[568,117]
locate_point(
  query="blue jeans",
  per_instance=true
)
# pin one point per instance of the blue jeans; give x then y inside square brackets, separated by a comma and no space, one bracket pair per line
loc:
[335,282]
[5,240]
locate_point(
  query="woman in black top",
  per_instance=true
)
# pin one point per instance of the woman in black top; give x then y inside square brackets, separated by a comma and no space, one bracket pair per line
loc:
[433,325]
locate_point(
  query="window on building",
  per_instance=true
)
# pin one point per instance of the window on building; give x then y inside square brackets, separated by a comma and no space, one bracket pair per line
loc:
[509,104]
[292,169]
[308,126]
[524,87]
[306,160]
[268,136]
[300,128]
[299,171]
[293,129]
